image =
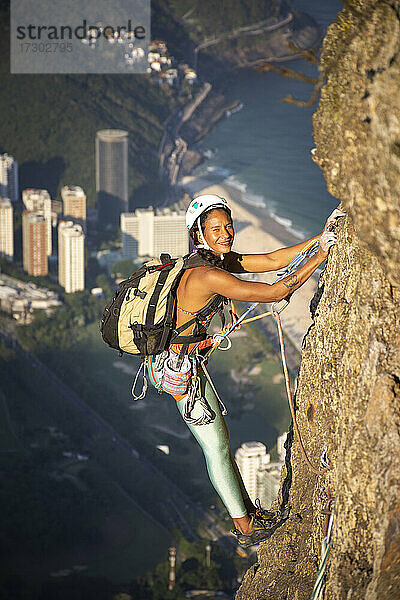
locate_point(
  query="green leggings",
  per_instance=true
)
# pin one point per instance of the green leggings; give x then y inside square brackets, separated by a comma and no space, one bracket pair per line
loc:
[221,466]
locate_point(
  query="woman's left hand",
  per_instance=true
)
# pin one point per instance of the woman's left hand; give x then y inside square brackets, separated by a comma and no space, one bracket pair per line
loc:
[331,220]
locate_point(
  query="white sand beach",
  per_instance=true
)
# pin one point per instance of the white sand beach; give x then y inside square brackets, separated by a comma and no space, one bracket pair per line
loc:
[254,235]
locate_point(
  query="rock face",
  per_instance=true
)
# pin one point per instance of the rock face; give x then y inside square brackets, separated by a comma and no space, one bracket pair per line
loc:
[348,393]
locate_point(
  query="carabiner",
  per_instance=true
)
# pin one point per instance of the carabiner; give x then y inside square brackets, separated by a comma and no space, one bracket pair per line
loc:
[275,307]
[225,347]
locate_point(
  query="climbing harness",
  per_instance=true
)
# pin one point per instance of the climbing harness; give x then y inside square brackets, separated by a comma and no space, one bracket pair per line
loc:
[325,550]
[165,378]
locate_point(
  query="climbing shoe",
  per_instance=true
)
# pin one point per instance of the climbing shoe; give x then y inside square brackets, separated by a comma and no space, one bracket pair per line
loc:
[258,533]
[269,517]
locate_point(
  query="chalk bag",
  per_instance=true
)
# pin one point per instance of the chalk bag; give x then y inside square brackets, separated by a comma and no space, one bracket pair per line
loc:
[176,374]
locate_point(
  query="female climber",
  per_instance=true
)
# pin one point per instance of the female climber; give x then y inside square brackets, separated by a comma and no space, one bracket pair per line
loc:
[205,283]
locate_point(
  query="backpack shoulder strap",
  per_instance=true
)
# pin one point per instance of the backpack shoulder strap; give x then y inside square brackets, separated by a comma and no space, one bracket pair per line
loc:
[164,269]
[194,260]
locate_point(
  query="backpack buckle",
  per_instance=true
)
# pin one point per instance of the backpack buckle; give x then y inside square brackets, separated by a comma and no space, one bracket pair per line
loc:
[137,292]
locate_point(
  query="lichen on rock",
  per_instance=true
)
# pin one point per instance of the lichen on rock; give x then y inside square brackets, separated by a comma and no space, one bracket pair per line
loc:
[348,388]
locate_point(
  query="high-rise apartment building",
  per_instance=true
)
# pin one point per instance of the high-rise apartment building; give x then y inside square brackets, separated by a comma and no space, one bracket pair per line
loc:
[34,242]
[148,232]
[252,457]
[269,476]
[130,234]
[268,480]
[39,200]
[6,228]
[111,174]
[74,204]
[71,256]
[280,446]
[8,177]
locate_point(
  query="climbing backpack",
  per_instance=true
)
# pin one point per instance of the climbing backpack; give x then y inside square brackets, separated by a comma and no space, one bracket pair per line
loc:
[140,319]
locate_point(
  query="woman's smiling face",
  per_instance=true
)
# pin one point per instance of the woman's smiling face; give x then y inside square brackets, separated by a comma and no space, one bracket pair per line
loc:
[218,231]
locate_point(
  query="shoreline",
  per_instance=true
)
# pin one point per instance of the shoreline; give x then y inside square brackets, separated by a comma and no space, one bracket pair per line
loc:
[177,153]
[253,235]
[197,184]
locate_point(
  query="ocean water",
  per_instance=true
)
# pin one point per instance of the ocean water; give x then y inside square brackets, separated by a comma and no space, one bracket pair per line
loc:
[264,149]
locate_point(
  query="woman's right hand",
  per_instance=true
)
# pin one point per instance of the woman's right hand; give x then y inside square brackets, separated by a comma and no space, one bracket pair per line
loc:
[331,220]
[326,241]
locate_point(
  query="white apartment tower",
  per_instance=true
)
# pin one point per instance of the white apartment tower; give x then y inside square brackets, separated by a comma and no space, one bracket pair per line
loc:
[74,203]
[268,480]
[280,446]
[6,228]
[250,458]
[148,232]
[71,256]
[8,177]
[39,200]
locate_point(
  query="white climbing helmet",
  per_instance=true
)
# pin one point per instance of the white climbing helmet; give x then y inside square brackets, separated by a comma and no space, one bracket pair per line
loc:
[200,204]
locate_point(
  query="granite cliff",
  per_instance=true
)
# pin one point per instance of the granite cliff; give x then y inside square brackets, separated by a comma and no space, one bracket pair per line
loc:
[348,388]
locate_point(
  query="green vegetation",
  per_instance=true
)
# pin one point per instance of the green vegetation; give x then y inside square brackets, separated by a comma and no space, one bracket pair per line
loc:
[70,343]
[250,375]
[57,509]
[123,268]
[191,573]
[257,405]
[60,329]
[39,511]
[12,270]
[77,587]
[52,119]
[52,153]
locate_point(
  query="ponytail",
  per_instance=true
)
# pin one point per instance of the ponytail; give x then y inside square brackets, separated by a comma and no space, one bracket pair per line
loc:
[213,259]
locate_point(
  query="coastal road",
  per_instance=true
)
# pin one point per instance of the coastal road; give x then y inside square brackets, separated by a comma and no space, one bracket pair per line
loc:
[254,29]
[173,148]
